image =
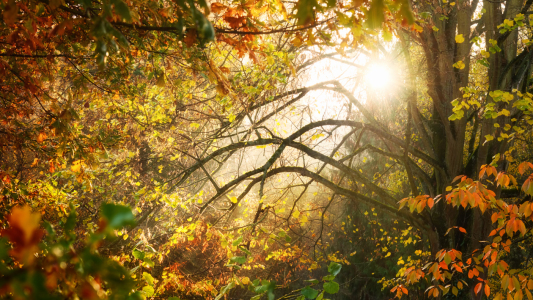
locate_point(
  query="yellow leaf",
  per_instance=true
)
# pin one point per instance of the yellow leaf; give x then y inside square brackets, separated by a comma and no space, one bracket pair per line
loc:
[504,112]
[297,42]
[296,214]
[35,162]
[459,65]
[23,218]
[418,28]
[245,280]
[233,199]
[76,166]
[459,38]
[160,80]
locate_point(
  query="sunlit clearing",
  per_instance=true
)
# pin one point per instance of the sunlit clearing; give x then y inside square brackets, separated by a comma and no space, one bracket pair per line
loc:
[379,77]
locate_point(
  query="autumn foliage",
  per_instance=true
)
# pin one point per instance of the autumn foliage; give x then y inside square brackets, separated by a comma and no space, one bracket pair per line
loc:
[254,149]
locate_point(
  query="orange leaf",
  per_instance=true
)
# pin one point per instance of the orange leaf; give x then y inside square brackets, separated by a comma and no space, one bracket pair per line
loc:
[41,137]
[404,290]
[430,203]
[487,290]
[24,233]
[482,172]
[457,178]
[521,169]
[477,289]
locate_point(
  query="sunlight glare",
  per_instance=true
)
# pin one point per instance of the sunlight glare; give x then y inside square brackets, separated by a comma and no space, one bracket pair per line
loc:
[378,76]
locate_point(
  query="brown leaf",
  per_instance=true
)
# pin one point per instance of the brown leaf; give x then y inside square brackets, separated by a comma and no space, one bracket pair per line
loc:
[190,37]
[218,7]
[88,292]
[11,12]
[235,22]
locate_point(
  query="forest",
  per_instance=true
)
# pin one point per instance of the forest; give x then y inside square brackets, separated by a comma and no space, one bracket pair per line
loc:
[266,149]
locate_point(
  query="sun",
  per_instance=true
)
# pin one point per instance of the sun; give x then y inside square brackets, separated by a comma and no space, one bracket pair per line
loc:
[378,76]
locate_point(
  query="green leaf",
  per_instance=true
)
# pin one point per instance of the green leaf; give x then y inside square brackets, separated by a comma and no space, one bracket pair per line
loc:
[376,16]
[331,287]
[137,254]
[208,32]
[328,278]
[225,290]
[148,278]
[238,259]
[148,291]
[148,262]
[309,292]
[117,216]
[70,224]
[312,281]
[4,250]
[334,268]
[271,295]
[306,11]
[237,241]
[265,286]
[122,10]
[245,250]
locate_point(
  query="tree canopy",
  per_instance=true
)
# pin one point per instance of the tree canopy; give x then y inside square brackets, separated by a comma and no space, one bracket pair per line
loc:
[266,149]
